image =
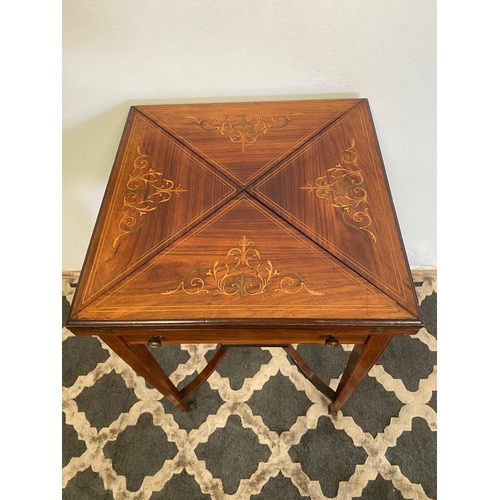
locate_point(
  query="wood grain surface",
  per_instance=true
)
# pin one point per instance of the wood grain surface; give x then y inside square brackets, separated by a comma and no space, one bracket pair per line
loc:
[265,223]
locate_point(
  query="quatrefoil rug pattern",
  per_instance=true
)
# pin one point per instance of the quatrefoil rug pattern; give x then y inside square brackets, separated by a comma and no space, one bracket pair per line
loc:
[259,429]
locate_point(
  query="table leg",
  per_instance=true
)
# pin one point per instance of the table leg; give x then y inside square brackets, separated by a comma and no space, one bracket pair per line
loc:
[362,358]
[206,372]
[309,374]
[143,362]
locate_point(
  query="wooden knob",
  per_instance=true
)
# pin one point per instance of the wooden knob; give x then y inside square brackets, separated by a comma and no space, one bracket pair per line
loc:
[154,342]
[331,342]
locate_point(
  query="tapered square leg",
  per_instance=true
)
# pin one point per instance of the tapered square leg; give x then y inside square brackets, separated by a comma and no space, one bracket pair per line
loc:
[143,362]
[363,357]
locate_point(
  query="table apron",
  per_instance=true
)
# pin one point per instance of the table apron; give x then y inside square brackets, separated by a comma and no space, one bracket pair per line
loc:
[250,336]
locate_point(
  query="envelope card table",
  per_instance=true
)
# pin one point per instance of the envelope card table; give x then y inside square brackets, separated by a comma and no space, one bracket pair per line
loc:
[257,224]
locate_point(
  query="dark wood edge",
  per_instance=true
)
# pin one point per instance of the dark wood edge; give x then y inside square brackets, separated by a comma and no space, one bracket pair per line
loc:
[94,239]
[237,101]
[280,323]
[396,221]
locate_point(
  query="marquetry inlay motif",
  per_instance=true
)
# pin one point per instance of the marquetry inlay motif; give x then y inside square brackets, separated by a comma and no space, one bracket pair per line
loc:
[146,189]
[243,272]
[243,129]
[343,186]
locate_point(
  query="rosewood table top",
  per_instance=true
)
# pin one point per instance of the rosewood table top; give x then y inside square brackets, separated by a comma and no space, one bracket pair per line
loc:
[266,223]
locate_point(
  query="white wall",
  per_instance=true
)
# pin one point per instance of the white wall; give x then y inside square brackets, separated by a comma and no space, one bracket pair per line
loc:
[120,53]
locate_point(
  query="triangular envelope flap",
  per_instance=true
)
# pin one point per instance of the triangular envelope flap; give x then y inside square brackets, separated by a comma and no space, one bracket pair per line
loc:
[243,262]
[160,190]
[334,189]
[245,139]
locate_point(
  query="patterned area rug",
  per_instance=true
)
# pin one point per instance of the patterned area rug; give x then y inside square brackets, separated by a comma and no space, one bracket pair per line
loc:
[259,430]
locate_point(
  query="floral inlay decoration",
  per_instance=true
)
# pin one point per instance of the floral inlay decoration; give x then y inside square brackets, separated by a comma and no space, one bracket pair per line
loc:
[145,190]
[243,129]
[343,186]
[243,272]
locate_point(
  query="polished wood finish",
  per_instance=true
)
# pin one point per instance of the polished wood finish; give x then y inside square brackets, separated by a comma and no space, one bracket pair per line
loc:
[143,362]
[360,362]
[267,223]
[244,140]
[374,250]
